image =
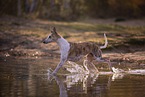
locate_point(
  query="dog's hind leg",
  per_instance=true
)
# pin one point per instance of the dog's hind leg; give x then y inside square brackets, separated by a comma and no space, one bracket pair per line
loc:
[90,58]
[105,60]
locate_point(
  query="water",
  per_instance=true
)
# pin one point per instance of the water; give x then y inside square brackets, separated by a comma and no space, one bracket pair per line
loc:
[29,77]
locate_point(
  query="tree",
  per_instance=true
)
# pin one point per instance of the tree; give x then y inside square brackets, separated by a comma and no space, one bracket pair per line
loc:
[33,5]
[19,7]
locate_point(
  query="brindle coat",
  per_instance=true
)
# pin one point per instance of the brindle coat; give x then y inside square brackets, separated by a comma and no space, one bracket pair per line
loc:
[79,50]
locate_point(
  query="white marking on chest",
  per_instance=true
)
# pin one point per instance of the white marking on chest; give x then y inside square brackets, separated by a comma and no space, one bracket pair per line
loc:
[64,47]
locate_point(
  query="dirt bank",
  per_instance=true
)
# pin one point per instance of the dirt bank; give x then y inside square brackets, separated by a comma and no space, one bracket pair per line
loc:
[23,37]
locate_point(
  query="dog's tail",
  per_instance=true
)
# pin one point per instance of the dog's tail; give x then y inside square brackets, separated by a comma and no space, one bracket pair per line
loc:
[105,42]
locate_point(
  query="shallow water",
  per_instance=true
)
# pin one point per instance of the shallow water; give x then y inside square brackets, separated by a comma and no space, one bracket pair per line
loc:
[30,78]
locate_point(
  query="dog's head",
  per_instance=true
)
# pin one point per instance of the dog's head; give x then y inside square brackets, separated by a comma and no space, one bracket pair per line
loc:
[52,37]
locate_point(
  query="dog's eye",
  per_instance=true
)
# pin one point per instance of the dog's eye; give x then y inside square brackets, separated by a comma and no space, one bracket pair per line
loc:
[49,36]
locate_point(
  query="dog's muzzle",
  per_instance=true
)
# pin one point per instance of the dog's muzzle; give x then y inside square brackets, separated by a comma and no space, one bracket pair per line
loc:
[44,42]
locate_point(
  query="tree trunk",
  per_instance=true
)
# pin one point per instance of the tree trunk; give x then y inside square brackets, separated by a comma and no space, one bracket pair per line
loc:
[27,6]
[66,4]
[19,7]
[33,6]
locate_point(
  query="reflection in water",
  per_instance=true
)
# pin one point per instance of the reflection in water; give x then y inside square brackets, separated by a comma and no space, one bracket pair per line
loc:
[63,91]
[87,82]
[32,78]
[90,81]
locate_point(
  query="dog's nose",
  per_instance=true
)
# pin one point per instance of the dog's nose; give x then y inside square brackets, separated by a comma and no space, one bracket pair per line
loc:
[44,42]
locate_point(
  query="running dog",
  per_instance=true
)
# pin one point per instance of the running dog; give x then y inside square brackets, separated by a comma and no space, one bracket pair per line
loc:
[76,51]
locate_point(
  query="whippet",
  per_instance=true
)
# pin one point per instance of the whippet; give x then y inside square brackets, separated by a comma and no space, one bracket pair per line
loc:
[76,51]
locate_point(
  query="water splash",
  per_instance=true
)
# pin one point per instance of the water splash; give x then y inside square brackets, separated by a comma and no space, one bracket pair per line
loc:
[136,71]
[75,68]
[80,74]
[72,67]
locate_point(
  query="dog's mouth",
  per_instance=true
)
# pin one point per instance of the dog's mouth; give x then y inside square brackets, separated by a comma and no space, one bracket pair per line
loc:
[45,42]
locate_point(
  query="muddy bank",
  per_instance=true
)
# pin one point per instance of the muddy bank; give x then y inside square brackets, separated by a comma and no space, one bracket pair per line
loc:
[21,37]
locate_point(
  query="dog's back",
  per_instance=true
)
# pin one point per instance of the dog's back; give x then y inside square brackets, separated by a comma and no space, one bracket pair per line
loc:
[82,49]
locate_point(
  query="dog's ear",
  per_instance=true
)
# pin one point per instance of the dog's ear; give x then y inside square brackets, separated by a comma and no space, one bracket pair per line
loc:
[54,30]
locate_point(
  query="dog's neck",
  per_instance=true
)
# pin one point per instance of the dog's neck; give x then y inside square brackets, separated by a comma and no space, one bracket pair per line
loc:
[63,45]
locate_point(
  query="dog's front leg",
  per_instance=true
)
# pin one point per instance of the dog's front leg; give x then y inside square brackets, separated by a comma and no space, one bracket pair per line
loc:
[59,66]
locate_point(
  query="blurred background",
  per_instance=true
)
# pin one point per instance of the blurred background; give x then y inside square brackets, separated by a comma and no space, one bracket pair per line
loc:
[73,9]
